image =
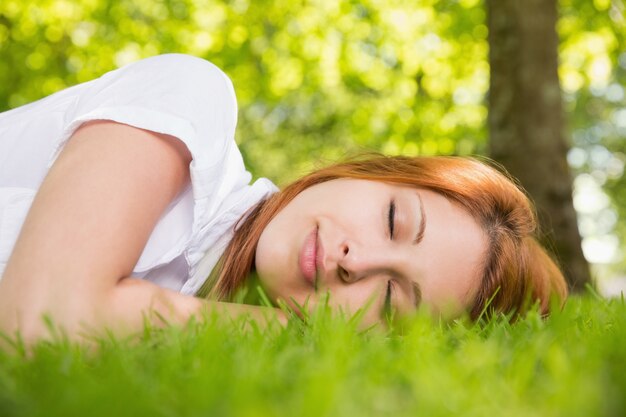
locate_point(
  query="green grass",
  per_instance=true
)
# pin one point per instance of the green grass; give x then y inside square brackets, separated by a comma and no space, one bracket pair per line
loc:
[572,364]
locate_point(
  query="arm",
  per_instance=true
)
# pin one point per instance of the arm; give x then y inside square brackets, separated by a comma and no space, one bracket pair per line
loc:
[86,230]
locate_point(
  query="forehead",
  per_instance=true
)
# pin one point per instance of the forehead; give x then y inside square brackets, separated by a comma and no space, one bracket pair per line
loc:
[451,255]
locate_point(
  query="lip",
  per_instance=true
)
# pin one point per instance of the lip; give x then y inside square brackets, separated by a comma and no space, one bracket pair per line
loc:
[319,258]
[308,257]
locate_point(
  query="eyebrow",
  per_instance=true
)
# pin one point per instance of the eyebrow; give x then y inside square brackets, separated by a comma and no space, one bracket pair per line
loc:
[422,226]
[417,294]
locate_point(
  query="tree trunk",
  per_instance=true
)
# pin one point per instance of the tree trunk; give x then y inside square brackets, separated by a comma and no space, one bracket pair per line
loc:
[526,121]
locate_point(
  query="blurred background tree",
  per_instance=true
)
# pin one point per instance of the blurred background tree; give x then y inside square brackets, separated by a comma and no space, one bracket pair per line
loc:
[526,121]
[320,79]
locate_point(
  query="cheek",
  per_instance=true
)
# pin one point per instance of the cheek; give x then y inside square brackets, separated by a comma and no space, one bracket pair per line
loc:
[347,300]
[351,298]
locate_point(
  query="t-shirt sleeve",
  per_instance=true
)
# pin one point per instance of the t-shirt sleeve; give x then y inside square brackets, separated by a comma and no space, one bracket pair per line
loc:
[185,97]
[175,94]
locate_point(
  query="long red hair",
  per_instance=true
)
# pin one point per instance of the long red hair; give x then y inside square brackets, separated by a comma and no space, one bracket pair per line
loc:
[517,271]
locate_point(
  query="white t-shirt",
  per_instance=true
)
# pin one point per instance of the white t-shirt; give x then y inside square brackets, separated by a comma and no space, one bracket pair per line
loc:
[174,94]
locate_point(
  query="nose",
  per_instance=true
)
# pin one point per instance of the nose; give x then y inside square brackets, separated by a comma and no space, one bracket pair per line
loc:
[358,261]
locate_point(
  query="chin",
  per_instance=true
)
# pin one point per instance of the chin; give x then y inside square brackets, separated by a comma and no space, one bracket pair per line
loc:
[270,284]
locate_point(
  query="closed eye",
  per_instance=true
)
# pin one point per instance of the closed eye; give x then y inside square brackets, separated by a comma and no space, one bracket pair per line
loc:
[387,307]
[392,215]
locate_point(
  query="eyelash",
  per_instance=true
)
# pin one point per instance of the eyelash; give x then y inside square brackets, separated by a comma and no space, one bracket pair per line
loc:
[387,306]
[392,212]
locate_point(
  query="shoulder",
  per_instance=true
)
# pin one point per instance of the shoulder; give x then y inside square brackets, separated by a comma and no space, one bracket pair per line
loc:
[188,64]
[180,95]
[182,80]
[183,64]
[177,69]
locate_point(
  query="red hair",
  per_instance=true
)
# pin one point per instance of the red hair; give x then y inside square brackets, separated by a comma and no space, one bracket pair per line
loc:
[517,271]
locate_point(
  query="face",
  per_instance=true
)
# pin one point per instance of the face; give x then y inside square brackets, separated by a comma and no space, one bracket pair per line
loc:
[373,244]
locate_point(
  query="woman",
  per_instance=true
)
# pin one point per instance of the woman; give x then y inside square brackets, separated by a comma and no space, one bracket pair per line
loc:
[122,195]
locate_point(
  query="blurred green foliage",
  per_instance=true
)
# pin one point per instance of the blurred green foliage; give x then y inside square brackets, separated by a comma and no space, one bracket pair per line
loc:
[314,79]
[593,76]
[320,79]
